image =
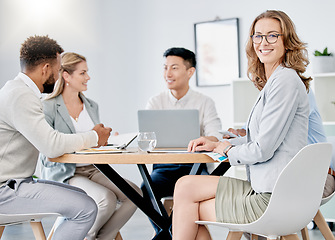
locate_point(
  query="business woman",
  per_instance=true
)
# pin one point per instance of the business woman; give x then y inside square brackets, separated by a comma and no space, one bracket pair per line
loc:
[69,111]
[276,131]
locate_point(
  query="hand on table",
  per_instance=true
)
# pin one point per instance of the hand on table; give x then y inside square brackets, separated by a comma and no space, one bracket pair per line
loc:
[221,147]
[204,144]
[201,144]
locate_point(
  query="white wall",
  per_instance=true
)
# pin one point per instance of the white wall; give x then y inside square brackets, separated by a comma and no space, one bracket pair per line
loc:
[124,42]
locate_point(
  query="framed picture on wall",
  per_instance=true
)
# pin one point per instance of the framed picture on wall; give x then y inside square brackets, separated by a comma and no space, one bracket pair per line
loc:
[217,51]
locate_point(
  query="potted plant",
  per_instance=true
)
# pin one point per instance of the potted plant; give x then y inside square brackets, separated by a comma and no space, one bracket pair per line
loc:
[323,62]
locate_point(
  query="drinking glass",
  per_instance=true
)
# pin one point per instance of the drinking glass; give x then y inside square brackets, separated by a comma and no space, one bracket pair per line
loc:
[146,141]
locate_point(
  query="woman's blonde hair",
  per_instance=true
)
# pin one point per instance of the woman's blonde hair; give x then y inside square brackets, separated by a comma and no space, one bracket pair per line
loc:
[69,63]
[295,57]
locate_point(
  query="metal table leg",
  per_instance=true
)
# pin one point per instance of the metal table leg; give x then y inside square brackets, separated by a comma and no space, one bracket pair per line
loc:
[155,212]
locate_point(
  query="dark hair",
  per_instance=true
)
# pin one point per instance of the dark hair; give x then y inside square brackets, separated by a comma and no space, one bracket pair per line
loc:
[187,55]
[38,49]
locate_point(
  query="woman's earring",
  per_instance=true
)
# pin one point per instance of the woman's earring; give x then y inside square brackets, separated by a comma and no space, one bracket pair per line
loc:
[67,84]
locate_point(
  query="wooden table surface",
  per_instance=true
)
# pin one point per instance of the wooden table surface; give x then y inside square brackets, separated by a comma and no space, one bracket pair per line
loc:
[134,158]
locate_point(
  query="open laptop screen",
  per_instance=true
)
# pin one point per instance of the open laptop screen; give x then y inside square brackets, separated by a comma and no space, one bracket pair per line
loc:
[173,128]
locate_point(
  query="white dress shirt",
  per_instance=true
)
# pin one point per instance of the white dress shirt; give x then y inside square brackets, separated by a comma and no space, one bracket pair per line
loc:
[84,123]
[30,83]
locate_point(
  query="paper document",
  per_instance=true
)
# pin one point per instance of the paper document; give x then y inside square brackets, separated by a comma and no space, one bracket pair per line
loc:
[216,156]
[121,141]
[169,151]
[102,149]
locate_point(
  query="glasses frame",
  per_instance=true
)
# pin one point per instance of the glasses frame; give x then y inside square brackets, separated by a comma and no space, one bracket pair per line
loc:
[266,37]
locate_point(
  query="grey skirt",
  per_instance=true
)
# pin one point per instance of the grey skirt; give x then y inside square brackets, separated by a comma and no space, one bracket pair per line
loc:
[237,202]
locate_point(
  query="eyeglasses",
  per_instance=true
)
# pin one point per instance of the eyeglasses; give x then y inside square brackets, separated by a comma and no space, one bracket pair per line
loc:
[270,38]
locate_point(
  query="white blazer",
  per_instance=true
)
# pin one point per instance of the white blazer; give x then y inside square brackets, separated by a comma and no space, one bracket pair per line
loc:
[277,129]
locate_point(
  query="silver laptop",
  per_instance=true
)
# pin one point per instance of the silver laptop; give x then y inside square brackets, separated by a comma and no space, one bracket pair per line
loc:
[173,128]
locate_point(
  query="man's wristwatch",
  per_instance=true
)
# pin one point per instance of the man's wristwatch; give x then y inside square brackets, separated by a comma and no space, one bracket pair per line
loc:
[225,151]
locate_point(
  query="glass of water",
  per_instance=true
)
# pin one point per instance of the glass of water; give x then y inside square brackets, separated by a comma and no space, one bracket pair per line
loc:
[146,141]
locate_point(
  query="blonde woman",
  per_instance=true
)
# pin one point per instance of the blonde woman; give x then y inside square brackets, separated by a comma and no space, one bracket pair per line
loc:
[276,131]
[69,111]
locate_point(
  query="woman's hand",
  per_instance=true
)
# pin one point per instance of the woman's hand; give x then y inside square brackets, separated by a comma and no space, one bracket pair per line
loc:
[201,144]
[221,146]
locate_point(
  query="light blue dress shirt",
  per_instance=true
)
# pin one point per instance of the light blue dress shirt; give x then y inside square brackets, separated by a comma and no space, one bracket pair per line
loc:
[316,133]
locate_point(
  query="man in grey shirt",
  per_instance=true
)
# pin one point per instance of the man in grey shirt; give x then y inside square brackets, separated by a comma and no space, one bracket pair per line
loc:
[24,133]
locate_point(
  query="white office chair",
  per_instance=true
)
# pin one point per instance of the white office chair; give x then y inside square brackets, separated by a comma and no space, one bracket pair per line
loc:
[295,199]
[322,224]
[319,219]
[59,220]
[34,219]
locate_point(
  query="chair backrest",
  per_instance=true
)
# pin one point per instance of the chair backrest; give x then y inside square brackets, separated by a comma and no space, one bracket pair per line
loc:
[297,193]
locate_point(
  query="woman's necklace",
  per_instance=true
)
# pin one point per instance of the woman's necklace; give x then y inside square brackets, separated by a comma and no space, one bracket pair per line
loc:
[74,108]
[76,116]
[75,111]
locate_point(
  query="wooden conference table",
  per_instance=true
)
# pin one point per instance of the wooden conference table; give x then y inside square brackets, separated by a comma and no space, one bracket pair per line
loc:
[154,209]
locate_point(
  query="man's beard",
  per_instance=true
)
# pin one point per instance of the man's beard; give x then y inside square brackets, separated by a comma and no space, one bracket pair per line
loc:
[49,84]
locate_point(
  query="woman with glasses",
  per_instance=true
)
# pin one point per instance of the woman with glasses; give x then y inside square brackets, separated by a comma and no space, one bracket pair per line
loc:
[276,130]
[69,111]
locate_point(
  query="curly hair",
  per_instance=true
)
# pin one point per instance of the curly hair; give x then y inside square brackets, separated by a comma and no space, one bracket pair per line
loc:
[38,49]
[295,57]
[69,64]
